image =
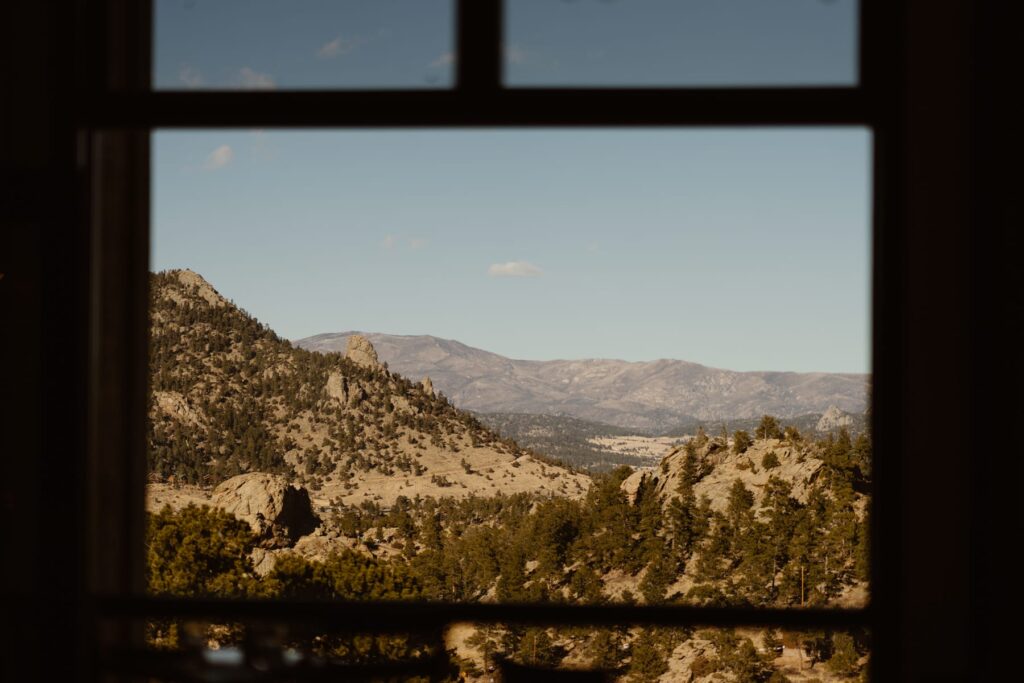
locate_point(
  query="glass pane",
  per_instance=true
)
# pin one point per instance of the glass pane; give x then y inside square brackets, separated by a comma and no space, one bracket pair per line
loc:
[635,43]
[664,654]
[481,651]
[267,44]
[525,365]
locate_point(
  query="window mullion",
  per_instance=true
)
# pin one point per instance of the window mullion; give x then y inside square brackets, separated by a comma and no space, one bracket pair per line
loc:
[478,54]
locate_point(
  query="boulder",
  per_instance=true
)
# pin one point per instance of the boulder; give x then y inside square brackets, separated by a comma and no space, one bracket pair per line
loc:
[631,484]
[361,352]
[278,512]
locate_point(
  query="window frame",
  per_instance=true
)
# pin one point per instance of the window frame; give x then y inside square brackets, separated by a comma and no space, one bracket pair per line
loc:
[116,112]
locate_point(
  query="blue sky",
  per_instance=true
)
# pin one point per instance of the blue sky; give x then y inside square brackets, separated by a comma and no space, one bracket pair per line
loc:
[744,249]
[409,43]
[737,248]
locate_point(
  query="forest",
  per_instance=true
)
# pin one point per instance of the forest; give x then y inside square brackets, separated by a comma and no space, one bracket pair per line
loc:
[526,548]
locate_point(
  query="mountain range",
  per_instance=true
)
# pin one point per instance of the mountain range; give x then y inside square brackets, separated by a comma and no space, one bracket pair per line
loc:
[231,397]
[655,396]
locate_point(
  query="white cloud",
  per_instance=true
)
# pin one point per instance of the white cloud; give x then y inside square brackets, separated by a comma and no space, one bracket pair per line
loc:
[445,59]
[255,80]
[219,158]
[514,269]
[389,242]
[336,47]
[190,77]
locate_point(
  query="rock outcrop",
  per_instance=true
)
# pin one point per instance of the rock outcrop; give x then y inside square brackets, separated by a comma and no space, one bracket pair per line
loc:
[337,387]
[360,351]
[833,419]
[718,468]
[195,282]
[278,513]
[428,386]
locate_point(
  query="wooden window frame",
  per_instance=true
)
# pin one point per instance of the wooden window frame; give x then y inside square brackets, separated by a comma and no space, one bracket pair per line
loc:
[115,111]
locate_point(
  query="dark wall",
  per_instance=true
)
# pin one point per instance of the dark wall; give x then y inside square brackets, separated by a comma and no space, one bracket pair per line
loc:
[43,346]
[957,287]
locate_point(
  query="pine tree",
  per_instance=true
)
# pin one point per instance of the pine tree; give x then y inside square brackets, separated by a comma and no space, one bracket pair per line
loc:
[683,516]
[740,441]
[199,552]
[648,662]
[768,428]
[657,579]
[605,649]
[739,514]
[843,661]
[535,648]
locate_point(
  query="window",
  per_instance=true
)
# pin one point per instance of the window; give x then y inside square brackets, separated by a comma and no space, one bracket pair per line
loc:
[477,99]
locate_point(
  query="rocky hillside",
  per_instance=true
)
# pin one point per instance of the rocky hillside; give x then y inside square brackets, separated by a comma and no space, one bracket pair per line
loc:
[229,396]
[654,396]
[767,510]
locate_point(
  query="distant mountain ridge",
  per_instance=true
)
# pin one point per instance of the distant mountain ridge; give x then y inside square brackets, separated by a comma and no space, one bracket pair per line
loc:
[652,396]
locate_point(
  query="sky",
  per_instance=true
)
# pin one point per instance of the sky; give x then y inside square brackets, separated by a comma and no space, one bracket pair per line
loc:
[736,248]
[745,249]
[409,43]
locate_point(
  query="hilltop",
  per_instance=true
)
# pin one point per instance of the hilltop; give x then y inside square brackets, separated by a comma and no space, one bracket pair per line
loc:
[649,397]
[229,396]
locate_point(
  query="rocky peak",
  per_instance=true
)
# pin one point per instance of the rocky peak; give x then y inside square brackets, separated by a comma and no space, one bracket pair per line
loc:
[428,386]
[194,282]
[834,418]
[361,352]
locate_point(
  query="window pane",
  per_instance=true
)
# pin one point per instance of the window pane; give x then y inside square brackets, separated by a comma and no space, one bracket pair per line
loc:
[663,654]
[635,43]
[482,651]
[267,44]
[591,365]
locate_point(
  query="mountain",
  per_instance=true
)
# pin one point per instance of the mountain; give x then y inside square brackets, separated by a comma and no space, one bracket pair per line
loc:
[652,396]
[229,396]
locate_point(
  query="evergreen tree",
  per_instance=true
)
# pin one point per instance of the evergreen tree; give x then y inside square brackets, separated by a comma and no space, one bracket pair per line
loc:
[741,441]
[535,648]
[199,552]
[586,586]
[683,516]
[843,661]
[657,579]
[768,428]
[648,662]
[605,649]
